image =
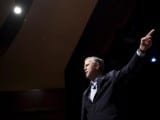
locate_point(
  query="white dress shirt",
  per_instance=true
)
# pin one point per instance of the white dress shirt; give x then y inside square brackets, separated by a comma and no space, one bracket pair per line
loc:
[93,90]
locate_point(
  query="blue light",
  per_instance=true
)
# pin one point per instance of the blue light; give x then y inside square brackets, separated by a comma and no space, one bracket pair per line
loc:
[153,59]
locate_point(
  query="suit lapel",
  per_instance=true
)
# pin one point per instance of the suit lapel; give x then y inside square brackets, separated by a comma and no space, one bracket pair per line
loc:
[87,92]
[99,85]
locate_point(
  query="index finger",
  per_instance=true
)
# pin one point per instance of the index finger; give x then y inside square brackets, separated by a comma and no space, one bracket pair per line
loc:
[151,32]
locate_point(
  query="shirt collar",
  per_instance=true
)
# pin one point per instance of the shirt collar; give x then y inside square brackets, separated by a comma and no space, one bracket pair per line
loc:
[94,82]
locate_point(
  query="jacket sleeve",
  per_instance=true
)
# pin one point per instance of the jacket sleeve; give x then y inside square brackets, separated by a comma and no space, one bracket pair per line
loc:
[133,66]
[83,111]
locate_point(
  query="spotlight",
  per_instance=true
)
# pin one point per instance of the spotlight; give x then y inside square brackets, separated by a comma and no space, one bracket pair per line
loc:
[17,10]
[153,60]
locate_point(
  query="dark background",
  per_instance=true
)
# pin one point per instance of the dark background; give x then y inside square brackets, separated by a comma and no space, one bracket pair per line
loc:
[31,87]
[113,33]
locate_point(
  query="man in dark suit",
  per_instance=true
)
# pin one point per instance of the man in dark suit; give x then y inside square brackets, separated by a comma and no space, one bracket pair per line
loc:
[99,99]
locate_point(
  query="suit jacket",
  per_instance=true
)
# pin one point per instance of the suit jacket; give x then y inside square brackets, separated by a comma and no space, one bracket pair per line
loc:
[104,105]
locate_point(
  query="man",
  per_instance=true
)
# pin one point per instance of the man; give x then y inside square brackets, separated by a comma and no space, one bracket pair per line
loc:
[99,99]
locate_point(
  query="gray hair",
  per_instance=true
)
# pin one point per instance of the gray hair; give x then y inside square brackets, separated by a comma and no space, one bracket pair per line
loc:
[97,60]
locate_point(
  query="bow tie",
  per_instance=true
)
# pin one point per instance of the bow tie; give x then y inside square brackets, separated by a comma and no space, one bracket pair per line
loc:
[94,85]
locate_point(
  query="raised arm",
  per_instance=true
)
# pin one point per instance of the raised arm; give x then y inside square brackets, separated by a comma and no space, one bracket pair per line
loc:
[135,62]
[146,41]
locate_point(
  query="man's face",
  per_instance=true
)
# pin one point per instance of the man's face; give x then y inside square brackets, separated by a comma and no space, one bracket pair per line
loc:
[90,69]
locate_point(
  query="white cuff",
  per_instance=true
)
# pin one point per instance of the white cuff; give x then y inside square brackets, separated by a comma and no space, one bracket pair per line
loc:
[140,53]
